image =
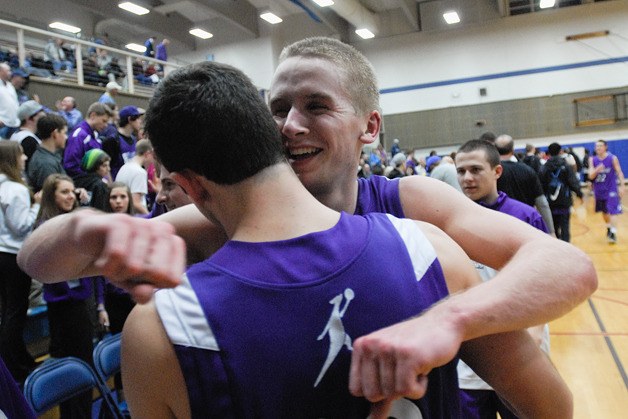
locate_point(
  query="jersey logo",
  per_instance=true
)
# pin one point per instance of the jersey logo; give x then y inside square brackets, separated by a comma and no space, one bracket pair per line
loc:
[336,331]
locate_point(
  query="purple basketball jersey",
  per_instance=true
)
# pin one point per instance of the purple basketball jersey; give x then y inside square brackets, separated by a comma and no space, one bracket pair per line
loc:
[605,182]
[270,338]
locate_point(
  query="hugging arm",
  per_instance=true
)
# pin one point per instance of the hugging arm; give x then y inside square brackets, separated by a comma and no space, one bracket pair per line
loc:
[385,364]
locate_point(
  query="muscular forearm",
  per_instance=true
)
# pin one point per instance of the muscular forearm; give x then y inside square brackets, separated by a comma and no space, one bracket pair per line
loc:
[134,253]
[524,293]
[39,255]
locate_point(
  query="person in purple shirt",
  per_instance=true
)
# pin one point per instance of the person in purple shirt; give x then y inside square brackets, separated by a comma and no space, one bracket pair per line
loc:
[85,137]
[161,52]
[478,167]
[121,146]
[71,330]
[605,172]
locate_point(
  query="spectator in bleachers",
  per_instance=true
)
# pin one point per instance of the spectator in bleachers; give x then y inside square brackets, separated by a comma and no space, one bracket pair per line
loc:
[150,47]
[52,129]
[138,73]
[19,209]
[19,80]
[108,98]
[85,137]
[91,72]
[95,164]
[113,70]
[28,113]
[121,147]
[67,109]
[55,54]
[161,52]
[9,122]
[134,175]
[71,331]
[111,130]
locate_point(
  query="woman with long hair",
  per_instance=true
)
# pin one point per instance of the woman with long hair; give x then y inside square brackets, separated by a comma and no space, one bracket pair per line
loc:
[71,330]
[17,218]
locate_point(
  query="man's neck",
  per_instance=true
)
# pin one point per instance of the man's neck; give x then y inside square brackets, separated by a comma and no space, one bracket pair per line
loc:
[127,130]
[49,144]
[271,206]
[490,199]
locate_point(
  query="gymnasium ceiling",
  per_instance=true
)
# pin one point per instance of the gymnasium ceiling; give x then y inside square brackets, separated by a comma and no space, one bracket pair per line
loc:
[238,20]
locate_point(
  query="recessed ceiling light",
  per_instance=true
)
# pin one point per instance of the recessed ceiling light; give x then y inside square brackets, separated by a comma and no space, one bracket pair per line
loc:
[546,4]
[271,18]
[64,27]
[451,17]
[324,3]
[133,8]
[201,33]
[365,33]
[136,47]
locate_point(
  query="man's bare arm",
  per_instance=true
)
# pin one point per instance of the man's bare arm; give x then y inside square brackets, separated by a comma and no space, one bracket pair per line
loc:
[385,364]
[540,278]
[135,254]
[153,382]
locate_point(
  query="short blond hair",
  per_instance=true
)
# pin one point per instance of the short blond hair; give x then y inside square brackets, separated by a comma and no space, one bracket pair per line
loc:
[360,82]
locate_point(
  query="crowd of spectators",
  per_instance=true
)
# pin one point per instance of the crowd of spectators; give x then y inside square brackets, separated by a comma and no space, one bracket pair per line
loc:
[63,160]
[57,60]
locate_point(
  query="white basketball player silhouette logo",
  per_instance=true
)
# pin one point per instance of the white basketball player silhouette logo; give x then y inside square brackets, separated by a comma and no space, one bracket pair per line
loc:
[336,331]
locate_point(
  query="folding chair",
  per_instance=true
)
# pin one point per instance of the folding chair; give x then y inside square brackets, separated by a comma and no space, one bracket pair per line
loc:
[107,364]
[60,379]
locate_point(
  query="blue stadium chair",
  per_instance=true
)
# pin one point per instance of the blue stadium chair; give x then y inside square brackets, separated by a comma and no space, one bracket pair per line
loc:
[60,379]
[107,363]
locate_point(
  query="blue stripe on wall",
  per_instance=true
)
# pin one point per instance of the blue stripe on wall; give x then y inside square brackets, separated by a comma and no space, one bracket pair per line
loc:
[505,75]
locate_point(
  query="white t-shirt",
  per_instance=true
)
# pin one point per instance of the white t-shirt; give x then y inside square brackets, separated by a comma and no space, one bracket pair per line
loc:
[136,177]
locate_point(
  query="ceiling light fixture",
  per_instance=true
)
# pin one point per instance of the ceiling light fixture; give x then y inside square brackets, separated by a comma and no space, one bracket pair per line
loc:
[451,17]
[271,18]
[324,3]
[365,33]
[546,4]
[64,27]
[201,33]
[136,47]
[133,8]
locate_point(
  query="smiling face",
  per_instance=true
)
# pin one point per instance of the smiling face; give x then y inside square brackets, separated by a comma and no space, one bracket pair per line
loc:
[322,132]
[476,177]
[171,194]
[119,200]
[64,196]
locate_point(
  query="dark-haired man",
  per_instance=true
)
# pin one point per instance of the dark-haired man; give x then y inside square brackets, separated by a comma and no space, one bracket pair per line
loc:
[519,181]
[608,187]
[559,180]
[85,137]
[46,159]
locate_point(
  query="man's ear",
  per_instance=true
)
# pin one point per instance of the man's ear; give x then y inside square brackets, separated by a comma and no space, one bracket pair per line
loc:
[191,184]
[498,171]
[373,125]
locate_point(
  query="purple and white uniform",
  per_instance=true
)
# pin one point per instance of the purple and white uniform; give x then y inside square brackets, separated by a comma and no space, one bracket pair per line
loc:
[270,338]
[605,186]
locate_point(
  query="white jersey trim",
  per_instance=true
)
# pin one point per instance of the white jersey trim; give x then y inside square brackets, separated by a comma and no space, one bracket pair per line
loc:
[422,253]
[183,318]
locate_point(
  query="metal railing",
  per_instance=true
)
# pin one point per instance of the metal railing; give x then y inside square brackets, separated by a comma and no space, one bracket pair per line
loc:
[23,31]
